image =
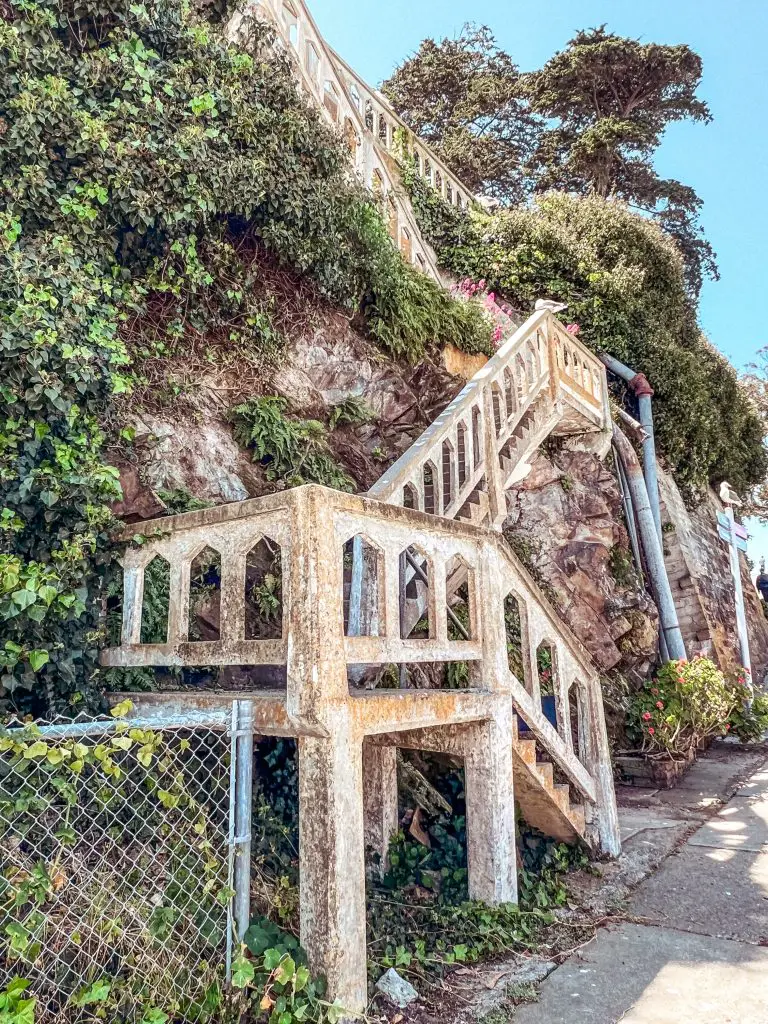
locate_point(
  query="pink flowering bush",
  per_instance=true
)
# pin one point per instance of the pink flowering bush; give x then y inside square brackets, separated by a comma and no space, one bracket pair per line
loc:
[687,703]
[500,315]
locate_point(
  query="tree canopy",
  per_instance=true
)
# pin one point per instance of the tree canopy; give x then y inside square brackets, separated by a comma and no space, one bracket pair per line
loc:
[590,120]
[463,97]
[606,101]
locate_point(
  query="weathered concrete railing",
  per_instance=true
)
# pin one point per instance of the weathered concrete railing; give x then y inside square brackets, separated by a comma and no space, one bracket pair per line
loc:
[541,380]
[348,103]
[381,120]
[336,724]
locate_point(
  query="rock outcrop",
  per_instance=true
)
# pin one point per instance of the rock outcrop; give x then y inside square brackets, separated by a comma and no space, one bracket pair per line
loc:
[566,522]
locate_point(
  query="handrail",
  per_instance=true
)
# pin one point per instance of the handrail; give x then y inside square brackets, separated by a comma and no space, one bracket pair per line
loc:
[233,530]
[321,75]
[429,164]
[473,444]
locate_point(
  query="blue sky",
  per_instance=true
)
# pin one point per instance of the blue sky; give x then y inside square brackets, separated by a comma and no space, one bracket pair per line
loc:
[726,161]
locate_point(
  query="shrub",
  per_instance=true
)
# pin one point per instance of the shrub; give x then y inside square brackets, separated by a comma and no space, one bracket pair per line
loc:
[623,280]
[749,718]
[293,450]
[687,703]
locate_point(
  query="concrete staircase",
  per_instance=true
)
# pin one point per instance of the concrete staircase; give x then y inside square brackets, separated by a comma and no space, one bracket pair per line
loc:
[446,499]
[541,382]
[545,804]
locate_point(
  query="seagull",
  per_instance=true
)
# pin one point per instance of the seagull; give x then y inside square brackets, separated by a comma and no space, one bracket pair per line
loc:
[551,304]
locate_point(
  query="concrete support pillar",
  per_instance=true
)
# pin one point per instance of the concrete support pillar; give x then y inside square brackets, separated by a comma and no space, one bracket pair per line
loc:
[596,758]
[331,842]
[332,862]
[380,799]
[490,797]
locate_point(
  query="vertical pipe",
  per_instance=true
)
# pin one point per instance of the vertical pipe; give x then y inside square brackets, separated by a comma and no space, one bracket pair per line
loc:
[629,515]
[654,555]
[243,803]
[644,393]
[650,470]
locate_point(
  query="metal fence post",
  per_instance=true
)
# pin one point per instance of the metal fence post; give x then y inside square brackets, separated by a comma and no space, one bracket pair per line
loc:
[243,803]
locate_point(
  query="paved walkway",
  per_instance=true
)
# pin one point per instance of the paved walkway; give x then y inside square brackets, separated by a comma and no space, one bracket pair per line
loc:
[696,948]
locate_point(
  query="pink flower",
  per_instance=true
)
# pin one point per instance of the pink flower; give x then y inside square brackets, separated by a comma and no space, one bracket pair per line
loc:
[651,730]
[647,716]
[573,329]
[727,726]
[659,705]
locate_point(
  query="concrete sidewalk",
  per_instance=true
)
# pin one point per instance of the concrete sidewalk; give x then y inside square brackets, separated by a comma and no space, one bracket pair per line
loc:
[695,950]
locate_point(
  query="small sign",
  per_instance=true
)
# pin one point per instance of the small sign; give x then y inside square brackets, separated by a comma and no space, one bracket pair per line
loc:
[732,533]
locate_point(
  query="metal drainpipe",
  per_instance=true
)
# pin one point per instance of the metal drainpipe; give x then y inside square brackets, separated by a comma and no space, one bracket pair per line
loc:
[654,553]
[644,392]
[629,514]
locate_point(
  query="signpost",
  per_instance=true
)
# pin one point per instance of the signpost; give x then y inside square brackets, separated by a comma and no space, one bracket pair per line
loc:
[735,537]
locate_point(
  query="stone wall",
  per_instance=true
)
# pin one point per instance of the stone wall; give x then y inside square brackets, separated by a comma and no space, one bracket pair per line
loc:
[566,522]
[699,570]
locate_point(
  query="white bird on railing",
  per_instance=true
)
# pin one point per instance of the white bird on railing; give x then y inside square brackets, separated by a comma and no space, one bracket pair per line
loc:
[551,304]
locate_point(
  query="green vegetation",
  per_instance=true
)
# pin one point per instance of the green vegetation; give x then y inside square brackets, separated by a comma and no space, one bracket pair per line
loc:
[421,920]
[293,450]
[15,1008]
[588,122]
[622,566]
[749,718]
[420,917]
[686,704]
[143,162]
[352,410]
[624,282]
[463,96]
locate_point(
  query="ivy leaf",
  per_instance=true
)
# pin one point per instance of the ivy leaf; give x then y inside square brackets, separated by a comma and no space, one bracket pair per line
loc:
[285,970]
[243,972]
[272,958]
[122,709]
[36,750]
[98,992]
[23,598]
[37,659]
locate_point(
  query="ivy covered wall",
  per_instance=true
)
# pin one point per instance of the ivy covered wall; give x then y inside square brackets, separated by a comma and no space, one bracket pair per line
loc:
[137,150]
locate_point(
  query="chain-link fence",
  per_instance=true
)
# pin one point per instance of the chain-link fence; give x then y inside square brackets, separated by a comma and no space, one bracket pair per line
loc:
[116,868]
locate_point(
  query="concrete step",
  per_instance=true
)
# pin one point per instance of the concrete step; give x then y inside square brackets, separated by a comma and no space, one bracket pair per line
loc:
[526,750]
[545,804]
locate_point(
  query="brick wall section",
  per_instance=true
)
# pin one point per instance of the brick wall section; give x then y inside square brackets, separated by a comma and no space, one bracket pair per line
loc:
[700,576]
